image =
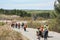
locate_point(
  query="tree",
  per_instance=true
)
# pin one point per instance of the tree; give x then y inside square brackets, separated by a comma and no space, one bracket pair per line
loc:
[34,16]
[57,11]
[57,7]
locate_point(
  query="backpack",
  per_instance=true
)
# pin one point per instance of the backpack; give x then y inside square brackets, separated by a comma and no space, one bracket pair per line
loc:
[22,24]
[38,33]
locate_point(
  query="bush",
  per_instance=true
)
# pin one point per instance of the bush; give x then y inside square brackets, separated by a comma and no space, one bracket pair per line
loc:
[54,25]
[33,24]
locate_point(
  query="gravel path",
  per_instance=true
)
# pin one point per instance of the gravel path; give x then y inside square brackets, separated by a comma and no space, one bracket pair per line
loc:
[31,34]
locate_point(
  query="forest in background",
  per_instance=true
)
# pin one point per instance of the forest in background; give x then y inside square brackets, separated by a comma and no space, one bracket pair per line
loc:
[29,13]
[53,15]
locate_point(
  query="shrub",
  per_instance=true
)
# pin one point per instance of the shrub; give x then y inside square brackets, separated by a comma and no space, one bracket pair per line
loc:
[33,24]
[54,25]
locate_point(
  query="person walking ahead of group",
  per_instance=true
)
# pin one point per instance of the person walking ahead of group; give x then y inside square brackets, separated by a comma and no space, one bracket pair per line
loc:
[25,26]
[12,25]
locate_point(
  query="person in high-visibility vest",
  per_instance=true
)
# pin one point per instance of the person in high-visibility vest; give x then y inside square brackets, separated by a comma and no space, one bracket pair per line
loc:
[45,32]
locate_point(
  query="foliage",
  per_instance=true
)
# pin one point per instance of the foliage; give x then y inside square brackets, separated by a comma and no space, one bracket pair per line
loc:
[15,12]
[28,13]
[33,24]
[2,23]
[57,7]
[55,23]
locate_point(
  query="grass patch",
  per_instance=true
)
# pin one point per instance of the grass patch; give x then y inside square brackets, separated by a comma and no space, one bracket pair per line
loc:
[2,23]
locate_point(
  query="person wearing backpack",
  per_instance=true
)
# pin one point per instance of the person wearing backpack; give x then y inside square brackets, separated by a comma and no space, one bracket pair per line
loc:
[38,33]
[22,25]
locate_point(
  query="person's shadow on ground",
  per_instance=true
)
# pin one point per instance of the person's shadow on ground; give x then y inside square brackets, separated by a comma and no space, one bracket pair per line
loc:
[50,36]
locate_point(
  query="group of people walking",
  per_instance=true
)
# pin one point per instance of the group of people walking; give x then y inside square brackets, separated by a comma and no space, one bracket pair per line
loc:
[18,25]
[42,31]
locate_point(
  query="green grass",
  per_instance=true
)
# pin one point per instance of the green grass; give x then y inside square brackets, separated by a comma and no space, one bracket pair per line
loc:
[38,11]
[2,23]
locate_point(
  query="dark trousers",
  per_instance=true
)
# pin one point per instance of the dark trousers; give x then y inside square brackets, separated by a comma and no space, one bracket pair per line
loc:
[24,29]
[45,35]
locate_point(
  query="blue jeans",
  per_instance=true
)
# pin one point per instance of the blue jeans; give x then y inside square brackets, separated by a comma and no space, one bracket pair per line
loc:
[45,38]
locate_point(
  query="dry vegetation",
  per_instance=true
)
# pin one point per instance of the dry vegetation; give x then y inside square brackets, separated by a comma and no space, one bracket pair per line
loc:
[15,17]
[33,24]
[6,33]
[54,25]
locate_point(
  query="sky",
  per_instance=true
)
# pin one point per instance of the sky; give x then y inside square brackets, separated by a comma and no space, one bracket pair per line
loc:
[27,4]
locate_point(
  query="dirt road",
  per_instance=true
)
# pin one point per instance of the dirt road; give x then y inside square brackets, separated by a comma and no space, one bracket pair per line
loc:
[31,34]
